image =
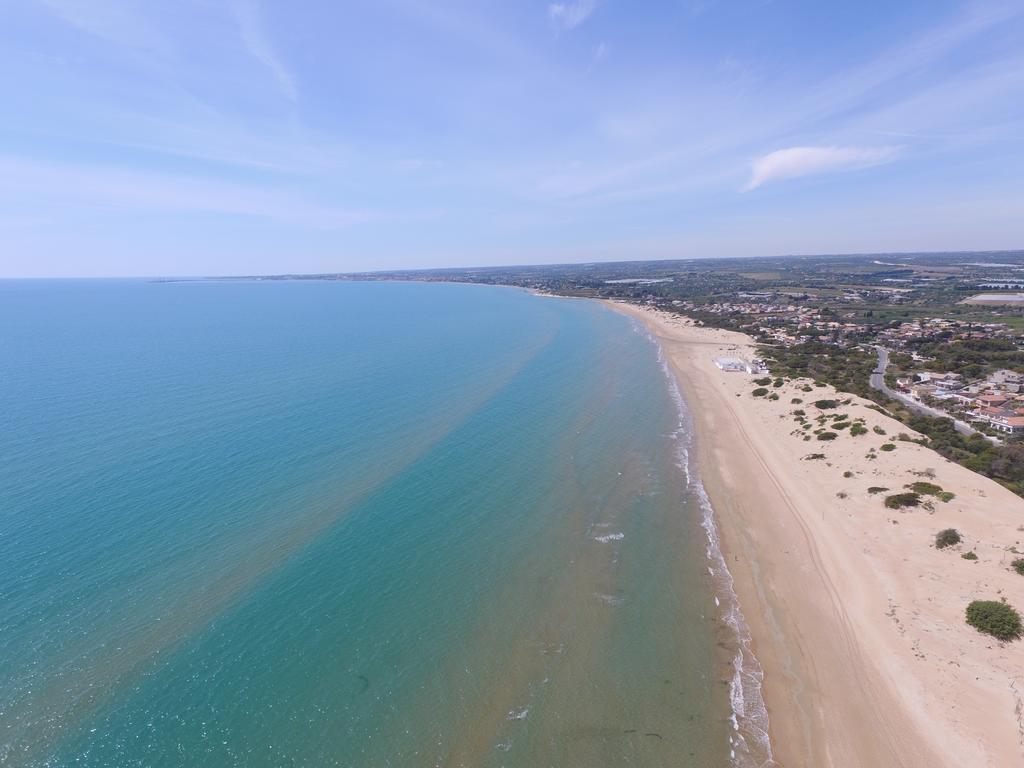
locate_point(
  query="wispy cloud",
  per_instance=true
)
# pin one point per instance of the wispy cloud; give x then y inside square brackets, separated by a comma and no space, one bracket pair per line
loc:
[254,37]
[794,162]
[98,187]
[571,14]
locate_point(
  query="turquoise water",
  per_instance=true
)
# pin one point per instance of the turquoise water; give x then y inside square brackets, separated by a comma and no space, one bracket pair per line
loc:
[352,524]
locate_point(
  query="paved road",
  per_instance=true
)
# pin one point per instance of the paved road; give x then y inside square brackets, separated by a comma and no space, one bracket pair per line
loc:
[878,382]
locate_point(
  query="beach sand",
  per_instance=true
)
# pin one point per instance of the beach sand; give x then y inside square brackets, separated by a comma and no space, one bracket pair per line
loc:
[857,619]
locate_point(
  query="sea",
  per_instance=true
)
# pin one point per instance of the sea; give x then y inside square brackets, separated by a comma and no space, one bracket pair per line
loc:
[326,523]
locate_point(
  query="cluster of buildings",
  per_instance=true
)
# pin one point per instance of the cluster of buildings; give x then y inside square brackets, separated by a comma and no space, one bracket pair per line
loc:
[938,327]
[996,401]
[785,324]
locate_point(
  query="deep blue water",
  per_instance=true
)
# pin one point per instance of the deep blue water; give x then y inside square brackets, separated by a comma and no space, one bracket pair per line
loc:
[352,524]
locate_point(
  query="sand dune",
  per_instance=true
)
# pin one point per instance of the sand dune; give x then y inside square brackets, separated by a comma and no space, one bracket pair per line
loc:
[858,619]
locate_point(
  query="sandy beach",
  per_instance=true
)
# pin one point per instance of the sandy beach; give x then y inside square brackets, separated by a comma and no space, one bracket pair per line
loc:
[857,618]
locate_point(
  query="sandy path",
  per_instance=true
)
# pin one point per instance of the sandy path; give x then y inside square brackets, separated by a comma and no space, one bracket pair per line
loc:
[857,618]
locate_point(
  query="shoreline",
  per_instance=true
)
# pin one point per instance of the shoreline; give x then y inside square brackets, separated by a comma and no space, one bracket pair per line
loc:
[856,619]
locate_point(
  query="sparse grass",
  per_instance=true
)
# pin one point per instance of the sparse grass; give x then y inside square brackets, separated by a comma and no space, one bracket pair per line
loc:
[995,618]
[947,538]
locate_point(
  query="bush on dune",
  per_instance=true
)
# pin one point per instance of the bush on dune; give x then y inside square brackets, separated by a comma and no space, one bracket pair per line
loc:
[995,618]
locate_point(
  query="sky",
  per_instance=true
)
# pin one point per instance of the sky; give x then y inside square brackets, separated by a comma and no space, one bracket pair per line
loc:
[239,137]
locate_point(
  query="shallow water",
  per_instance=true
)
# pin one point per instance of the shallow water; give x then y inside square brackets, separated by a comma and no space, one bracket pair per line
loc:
[353,524]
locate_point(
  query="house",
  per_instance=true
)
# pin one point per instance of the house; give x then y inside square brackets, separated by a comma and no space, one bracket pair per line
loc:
[992,401]
[1009,424]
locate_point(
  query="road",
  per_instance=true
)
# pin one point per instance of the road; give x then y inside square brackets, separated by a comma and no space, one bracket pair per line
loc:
[878,382]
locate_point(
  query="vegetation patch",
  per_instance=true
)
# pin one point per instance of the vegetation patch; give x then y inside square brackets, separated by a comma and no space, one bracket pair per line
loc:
[814,456]
[888,447]
[759,392]
[969,556]
[858,429]
[926,489]
[876,489]
[902,500]
[946,496]
[827,436]
[878,430]
[995,618]
[848,473]
[763,382]
[947,538]
[826,404]
[1018,565]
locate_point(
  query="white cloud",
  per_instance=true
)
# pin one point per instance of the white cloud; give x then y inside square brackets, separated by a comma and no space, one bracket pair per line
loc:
[571,14]
[254,37]
[793,162]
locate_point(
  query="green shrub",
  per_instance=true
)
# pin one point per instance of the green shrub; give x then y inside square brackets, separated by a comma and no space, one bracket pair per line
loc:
[814,456]
[1018,565]
[877,489]
[759,392]
[926,489]
[826,404]
[947,538]
[827,436]
[888,447]
[946,496]
[778,383]
[764,381]
[840,424]
[807,388]
[878,430]
[796,401]
[773,396]
[847,473]
[901,500]
[857,430]
[799,412]
[841,494]
[995,618]
[969,556]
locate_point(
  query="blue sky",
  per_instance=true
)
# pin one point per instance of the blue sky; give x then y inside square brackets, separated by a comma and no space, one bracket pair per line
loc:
[262,136]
